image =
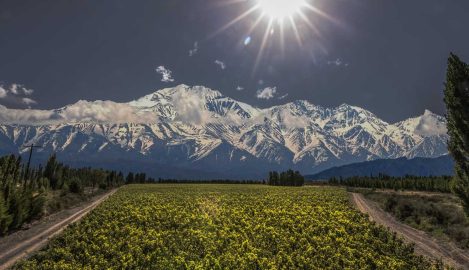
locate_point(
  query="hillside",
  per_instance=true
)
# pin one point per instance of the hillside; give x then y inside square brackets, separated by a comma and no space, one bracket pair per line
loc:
[393,167]
[183,131]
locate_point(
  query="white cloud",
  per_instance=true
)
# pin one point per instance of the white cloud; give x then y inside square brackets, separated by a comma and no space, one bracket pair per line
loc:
[294,121]
[338,62]
[240,88]
[19,89]
[14,88]
[28,92]
[266,93]
[28,116]
[3,92]
[28,101]
[165,74]
[190,107]
[16,93]
[282,97]
[221,64]
[82,111]
[194,49]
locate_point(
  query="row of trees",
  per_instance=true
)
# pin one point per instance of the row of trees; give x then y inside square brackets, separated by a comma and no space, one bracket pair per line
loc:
[214,181]
[288,178]
[432,184]
[138,178]
[24,194]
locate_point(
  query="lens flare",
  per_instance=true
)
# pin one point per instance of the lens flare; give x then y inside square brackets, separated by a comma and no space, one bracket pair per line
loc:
[282,17]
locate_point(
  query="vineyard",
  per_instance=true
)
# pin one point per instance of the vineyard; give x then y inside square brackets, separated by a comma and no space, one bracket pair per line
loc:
[176,226]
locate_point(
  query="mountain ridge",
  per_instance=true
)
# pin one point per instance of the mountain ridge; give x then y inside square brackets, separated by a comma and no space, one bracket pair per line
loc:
[197,127]
[440,166]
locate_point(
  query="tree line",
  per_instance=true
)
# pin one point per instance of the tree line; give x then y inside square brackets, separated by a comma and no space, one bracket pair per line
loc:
[287,178]
[214,181]
[432,184]
[24,193]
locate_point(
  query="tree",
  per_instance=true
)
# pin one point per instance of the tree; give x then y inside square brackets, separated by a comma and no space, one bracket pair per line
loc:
[130,178]
[288,178]
[5,218]
[457,106]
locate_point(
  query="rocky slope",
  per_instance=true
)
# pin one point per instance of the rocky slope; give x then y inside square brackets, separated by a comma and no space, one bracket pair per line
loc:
[196,132]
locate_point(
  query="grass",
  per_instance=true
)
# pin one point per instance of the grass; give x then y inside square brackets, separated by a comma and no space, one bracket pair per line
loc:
[439,214]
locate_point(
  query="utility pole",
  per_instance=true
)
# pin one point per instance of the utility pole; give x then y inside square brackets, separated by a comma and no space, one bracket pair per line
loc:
[31,147]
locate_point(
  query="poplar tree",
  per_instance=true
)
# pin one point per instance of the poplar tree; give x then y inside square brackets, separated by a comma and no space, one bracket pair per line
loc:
[457,106]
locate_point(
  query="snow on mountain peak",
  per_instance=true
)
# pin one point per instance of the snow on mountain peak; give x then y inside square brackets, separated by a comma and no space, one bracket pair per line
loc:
[428,124]
[195,105]
[431,124]
[186,124]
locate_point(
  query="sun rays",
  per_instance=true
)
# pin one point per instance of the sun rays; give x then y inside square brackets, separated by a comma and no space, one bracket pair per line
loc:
[284,15]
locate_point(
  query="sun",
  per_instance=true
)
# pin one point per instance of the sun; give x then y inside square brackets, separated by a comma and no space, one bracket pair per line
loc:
[280,9]
[287,16]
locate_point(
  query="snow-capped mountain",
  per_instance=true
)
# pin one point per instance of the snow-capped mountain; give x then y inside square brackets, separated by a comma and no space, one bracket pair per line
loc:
[197,132]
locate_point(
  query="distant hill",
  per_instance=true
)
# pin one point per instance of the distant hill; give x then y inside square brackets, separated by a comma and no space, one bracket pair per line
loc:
[393,167]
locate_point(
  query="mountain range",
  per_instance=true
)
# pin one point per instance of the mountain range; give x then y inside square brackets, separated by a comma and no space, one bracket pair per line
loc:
[399,167]
[198,133]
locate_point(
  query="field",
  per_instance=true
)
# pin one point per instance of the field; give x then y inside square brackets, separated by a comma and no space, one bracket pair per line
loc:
[174,226]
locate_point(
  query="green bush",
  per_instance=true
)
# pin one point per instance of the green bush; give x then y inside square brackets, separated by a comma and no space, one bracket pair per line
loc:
[38,206]
[75,186]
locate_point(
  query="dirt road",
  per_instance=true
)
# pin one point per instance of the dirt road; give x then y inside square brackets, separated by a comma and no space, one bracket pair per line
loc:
[424,244]
[22,243]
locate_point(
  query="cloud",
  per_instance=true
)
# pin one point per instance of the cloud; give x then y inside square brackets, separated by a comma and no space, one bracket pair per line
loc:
[3,92]
[14,89]
[221,64]
[28,92]
[260,82]
[282,97]
[266,93]
[293,121]
[165,74]
[17,93]
[194,49]
[191,108]
[240,88]
[28,101]
[338,62]
[28,116]
[82,111]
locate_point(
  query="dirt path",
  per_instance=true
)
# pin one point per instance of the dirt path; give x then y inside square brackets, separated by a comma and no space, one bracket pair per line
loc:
[424,244]
[22,243]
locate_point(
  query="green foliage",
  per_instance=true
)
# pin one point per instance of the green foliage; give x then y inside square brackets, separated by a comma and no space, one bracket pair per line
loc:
[186,226]
[23,195]
[288,178]
[75,186]
[38,205]
[421,183]
[436,214]
[457,105]
[5,218]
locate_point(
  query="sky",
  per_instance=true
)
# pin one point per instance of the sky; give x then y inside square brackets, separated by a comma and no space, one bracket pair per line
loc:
[388,57]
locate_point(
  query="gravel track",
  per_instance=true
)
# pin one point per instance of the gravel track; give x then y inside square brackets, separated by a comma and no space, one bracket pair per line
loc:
[424,244]
[21,244]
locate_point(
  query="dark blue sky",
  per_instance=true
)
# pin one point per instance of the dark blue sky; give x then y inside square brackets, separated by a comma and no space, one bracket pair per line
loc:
[392,53]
